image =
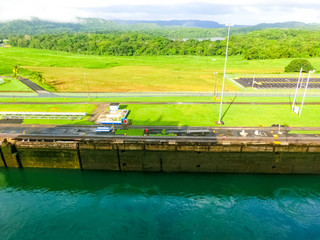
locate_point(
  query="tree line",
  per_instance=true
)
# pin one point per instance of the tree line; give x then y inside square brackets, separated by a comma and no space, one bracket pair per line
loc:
[263,44]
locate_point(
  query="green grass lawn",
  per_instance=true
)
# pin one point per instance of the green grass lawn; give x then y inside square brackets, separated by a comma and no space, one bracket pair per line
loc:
[88,108]
[130,132]
[163,99]
[233,115]
[65,71]
[12,84]
[304,132]
[188,115]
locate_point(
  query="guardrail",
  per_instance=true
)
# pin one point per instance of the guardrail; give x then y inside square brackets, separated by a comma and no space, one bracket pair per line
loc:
[43,115]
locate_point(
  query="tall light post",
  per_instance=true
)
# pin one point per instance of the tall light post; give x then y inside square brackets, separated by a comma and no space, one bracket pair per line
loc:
[215,84]
[224,72]
[254,77]
[295,95]
[305,91]
[88,87]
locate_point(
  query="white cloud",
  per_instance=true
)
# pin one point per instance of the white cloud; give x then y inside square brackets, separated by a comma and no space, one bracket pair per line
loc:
[240,12]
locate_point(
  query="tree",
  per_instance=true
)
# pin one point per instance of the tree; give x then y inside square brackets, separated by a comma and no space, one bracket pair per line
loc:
[15,70]
[296,64]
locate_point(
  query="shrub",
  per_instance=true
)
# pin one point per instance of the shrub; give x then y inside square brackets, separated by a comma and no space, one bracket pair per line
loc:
[296,64]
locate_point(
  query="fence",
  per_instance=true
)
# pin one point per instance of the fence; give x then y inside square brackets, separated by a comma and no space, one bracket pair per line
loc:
[43,115]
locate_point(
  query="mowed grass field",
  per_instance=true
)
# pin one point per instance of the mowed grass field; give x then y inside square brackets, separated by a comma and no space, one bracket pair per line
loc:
[12,84]
[227,99]
[186,115]
[66,71]
[232,115]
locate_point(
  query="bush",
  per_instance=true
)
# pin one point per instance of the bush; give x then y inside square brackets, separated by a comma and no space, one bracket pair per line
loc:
[296,64]
[37,76]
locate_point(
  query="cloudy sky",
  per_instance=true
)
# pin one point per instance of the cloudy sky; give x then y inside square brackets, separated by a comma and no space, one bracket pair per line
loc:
[246,12]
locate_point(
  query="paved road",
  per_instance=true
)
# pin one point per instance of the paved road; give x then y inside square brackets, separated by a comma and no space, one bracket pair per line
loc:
[182,133]
[35,87]
[274,83]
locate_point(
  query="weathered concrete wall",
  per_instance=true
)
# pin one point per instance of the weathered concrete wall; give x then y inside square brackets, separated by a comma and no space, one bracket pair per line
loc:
[118,155]
[48,154]
[10,155]
[98,156]
[2,162]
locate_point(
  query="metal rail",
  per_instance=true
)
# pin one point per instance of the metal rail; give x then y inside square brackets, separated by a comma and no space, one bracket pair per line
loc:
[43,115]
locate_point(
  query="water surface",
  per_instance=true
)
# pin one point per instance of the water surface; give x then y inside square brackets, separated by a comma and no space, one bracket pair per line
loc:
[70,204]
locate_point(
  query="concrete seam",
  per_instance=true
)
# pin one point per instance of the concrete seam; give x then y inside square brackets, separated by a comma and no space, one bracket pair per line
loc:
[161,168]
[79,156]
[2,156]
[118,155]
[14,150]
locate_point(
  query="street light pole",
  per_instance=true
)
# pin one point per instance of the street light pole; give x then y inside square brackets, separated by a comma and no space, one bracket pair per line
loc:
[254,76]
[224,72]
[88,87]
[295,95]
[215,84]
[305,91]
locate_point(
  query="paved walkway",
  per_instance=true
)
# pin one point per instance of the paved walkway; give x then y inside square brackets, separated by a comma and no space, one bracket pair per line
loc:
[35,87]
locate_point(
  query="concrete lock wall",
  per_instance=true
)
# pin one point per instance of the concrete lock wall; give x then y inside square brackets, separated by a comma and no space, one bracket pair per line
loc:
[48,155]
[9,155]
[98,156]
[162,157]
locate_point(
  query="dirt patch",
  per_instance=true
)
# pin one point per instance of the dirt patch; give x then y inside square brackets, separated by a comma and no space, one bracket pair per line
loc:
[12,121]
[101,107]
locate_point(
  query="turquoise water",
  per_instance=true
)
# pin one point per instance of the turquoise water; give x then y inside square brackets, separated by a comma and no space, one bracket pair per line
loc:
[63,204]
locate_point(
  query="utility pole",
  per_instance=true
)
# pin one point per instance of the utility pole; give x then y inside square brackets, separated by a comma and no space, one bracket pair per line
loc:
[254,76]
[224,72]
[88,87]
[295,95]
[305,91]
[215,84]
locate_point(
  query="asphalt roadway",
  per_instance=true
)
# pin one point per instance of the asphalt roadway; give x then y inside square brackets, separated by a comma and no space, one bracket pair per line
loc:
[182,133]
[274,83]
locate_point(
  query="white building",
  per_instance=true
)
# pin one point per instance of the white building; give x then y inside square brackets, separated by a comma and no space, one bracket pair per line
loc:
[114,107]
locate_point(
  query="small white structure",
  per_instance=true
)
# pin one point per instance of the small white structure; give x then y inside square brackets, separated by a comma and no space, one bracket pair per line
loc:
[243,133]
[114,107]
[103,129]
[1,81]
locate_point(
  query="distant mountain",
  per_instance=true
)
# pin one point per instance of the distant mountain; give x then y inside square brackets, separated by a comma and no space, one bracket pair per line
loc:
[286,25]
[181,23]
[171,29]
[174,29]
[37,26]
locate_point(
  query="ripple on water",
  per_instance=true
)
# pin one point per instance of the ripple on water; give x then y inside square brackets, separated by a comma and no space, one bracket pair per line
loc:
[301,202]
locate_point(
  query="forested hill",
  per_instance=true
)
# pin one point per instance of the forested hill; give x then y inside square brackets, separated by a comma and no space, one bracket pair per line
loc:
[286,25]
[182,23]
[263,44]
[91,25]
[170,29]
